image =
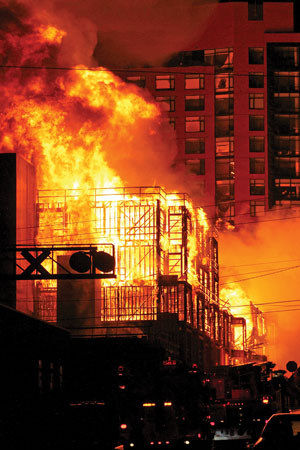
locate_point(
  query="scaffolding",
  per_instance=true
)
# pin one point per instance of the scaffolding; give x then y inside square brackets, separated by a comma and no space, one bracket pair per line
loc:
[166,256]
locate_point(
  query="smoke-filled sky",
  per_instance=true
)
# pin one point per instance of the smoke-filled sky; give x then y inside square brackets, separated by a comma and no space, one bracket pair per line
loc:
[119,33]
[272,245]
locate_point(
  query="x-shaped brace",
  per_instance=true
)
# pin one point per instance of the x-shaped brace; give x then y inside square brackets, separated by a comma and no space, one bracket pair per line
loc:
[35,263]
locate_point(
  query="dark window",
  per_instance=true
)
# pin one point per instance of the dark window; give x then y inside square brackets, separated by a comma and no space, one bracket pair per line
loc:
[224,169]
[194,124]
[256,55]
[287,167]
[226,210]
[223,105]
[224,126]
[224,191]
[257,165]
[165,82]
[194,81]
[286,124]
[256,80]
[195,145]
[256,101]
[167,103]
[286,102]
[221,58]
[287,145]
[284,56]
[255,10]
[286,82]
[172,122]
[257,187]
[196,166]
[288,189]
[194,103]
[138,80]
[256,144]
[257,207]
[256,123]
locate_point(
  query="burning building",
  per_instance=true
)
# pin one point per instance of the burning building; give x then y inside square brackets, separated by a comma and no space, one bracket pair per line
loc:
[87,132]
[166,265]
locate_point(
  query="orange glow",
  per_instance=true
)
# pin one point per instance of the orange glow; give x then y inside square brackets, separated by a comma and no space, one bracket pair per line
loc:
[239,305]
[51,34]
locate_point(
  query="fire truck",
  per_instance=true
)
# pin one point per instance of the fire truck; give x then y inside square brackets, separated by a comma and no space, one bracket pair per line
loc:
[243,400]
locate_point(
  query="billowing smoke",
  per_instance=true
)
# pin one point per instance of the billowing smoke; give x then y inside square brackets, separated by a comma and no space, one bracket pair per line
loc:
[121,33]
[76,123]
[250,255]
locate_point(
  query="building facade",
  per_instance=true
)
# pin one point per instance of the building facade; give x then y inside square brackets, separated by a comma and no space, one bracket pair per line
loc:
[233,100]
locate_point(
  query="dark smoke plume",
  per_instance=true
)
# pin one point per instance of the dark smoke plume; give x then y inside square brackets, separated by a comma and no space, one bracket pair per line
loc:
[121,33]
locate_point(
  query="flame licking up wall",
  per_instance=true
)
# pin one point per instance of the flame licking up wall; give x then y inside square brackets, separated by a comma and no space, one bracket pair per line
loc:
[83,129]
[240,305]
[80,128]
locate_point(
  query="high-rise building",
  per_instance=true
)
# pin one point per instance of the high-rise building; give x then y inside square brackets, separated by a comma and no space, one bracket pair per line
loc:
[233,99]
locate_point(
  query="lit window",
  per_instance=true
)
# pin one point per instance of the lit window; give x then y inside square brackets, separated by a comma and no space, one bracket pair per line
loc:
[257,187]
[195,145]
[223,82]
[256,123]
[167,103]
[194,124]
[194,81]
[256,101]
[256,55]
[257,165]
[165,82]
[256,80]
[224,146]
[196,166]
[256,144]
[138,80]
[194,103]
[257,208]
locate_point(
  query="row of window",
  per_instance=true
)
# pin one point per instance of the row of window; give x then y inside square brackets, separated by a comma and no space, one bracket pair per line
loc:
[223,147]
[223,82]
[192,103]
[227,209]
[196,81]
[223,104]
[285,167]
[225,167]
[224,126]
[225,189]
